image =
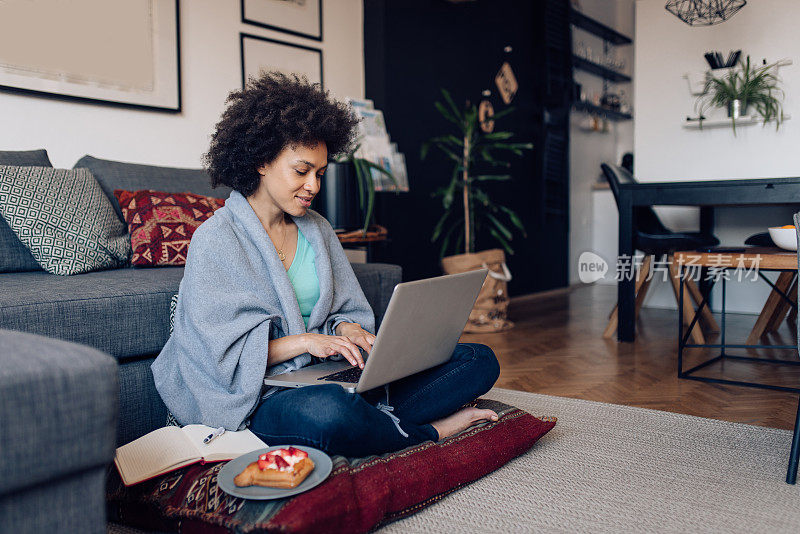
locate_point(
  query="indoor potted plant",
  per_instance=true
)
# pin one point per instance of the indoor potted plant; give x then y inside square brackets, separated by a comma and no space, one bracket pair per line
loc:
[349,177]
[744,87]
[468,209]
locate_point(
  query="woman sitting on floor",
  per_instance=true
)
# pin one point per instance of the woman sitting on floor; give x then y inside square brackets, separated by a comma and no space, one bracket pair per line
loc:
[267,286]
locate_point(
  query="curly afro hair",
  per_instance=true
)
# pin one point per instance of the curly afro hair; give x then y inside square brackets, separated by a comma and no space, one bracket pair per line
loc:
[273,112]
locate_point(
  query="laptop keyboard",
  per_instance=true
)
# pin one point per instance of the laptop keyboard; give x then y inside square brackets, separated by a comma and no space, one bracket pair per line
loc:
[352,375]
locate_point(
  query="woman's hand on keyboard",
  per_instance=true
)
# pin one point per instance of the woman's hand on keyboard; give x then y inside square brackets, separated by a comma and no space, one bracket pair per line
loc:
[355,333]
[323,346]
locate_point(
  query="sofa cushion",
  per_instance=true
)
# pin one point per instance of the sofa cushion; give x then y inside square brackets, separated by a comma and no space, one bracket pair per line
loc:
[359,495]
[125,312]
[141,409]
[64,219]
[58,410]
[25,158]
[162,224]
[377,280]
[133,177]
[14,255]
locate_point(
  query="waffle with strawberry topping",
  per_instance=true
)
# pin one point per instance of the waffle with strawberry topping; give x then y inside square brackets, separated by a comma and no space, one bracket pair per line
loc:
[281,468]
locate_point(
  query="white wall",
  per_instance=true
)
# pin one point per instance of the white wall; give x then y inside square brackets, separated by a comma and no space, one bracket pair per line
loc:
[589,149]
[666,48]
[210,66]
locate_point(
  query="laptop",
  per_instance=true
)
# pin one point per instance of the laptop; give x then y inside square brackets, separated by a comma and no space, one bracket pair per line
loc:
[420,330]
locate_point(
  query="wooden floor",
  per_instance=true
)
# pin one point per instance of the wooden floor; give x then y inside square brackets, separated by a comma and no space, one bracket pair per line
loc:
[556,348]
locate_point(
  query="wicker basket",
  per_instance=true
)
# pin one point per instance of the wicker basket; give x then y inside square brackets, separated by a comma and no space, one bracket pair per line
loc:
[491,308]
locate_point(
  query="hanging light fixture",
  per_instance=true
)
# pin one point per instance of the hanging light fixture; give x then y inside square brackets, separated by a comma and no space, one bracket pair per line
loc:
[704,12]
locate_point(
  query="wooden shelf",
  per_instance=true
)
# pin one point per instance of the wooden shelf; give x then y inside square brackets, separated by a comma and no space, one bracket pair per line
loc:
[598,70]
[610,114]
[592,26]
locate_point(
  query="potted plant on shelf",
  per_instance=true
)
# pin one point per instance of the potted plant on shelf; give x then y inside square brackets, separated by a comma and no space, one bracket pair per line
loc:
[348,177]
[743,87]
[467,207]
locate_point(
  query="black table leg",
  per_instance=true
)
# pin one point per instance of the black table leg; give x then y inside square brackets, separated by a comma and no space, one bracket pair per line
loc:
[791,473]
[707,220]
[626,286]
[707,228]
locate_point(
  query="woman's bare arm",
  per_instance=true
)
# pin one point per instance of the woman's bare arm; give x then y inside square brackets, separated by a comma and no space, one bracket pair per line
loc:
[319,345]
[285,348]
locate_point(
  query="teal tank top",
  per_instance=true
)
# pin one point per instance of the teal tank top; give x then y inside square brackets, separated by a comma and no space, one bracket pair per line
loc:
[303,276]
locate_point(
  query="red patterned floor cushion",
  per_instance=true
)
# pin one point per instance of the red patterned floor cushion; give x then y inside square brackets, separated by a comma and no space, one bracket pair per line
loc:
[360,494]
[161,224]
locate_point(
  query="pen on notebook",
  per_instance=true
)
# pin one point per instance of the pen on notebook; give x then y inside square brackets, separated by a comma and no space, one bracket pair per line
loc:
[215,434]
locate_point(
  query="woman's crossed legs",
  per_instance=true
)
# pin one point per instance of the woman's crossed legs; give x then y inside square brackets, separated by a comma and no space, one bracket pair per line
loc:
[427,403]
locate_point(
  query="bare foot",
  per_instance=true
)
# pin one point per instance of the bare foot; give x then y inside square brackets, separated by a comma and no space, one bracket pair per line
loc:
[462,420]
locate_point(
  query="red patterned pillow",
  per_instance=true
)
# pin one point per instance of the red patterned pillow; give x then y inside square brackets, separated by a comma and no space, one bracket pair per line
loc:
[161,224]
[359,495]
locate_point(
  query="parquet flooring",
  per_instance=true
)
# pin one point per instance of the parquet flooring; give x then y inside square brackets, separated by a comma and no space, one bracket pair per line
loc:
[556,348]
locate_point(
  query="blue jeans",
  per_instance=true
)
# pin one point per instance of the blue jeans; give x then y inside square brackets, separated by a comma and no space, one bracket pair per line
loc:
[329,418]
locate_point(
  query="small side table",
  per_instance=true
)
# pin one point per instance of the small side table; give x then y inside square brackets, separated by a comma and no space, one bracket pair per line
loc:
[753,261]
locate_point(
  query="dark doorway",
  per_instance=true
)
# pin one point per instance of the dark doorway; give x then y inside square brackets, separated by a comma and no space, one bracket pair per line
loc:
[412,49]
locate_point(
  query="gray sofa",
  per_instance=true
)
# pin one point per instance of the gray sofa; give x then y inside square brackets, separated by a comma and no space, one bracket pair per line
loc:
[123,312]
[58,411]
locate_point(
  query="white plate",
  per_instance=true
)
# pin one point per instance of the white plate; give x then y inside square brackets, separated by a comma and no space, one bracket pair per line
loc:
[322,468]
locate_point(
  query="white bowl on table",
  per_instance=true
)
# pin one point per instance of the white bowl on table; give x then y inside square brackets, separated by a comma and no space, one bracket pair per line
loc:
[786,238]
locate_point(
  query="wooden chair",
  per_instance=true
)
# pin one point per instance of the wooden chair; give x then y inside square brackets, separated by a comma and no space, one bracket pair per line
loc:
[776,309]
[657,241]
[643,280]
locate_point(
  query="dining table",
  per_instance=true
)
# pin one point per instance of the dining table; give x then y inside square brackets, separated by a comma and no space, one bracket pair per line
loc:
[707,195]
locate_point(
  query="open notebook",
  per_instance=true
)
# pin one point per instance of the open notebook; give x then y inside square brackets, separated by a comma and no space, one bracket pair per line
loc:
[172,447]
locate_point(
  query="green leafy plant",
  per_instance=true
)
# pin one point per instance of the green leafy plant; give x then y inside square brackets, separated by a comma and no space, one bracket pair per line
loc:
[471,151]
[366,186]
[752,86]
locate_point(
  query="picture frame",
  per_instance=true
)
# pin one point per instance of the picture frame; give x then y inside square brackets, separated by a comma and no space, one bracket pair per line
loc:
[262,53]
[55,52]
[296,17]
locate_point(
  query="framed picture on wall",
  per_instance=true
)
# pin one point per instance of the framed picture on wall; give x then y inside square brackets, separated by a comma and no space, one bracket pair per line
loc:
[260,54]
[119,53]
[298,17]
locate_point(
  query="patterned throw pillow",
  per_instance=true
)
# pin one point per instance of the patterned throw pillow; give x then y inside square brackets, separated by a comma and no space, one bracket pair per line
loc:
[360,494]
[14,255]
[162,224]
[64,218]
[173,305]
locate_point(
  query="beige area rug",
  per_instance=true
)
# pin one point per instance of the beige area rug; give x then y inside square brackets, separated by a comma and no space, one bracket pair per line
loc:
[609,468]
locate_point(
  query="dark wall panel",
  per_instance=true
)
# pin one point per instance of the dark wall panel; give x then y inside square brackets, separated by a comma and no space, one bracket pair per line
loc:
[415,47]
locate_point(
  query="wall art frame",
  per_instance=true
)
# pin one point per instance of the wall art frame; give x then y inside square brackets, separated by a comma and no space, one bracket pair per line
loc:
[262,53]
[296,17]
[32,67]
